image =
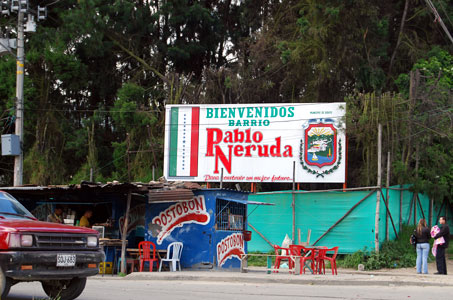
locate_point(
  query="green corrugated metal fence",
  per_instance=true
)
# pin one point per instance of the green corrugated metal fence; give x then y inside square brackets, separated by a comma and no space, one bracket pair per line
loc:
[319,211]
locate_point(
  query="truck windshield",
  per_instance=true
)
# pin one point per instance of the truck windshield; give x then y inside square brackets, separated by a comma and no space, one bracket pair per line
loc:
[9,206]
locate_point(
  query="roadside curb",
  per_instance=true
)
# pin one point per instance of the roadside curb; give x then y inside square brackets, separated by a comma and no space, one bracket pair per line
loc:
[364,280]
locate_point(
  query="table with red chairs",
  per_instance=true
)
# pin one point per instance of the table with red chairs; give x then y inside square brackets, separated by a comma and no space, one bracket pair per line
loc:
[298,257]
[134,254]
[317,255]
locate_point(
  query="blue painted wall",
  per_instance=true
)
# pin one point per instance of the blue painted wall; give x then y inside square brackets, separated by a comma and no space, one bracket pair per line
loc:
[200,238]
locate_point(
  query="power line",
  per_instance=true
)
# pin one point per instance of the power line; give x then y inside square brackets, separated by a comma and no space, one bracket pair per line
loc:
[55,2]
[445,12]
[438,18]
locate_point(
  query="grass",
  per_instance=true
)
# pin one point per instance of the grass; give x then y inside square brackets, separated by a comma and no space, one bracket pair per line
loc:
[259,261]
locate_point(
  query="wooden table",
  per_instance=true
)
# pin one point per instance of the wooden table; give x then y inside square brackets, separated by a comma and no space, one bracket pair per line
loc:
[309,251]
[135,252]
[105,242]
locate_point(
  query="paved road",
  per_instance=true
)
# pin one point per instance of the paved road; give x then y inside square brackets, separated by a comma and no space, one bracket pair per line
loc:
[130,289]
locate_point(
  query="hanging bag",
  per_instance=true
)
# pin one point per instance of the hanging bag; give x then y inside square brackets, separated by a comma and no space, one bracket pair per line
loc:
[413,239]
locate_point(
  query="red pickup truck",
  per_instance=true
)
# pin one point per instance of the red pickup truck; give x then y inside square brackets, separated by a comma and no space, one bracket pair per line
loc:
[61,257]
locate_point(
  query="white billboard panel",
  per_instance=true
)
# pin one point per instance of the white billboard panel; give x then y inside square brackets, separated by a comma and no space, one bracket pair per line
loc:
[255,142]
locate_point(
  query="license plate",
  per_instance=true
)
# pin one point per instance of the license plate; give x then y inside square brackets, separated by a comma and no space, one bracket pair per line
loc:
[66,260]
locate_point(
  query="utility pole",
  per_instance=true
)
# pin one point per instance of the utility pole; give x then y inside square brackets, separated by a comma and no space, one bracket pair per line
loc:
[20,61]
[24,13]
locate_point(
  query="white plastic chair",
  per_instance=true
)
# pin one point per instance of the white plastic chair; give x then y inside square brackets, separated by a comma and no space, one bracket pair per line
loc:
[174,252]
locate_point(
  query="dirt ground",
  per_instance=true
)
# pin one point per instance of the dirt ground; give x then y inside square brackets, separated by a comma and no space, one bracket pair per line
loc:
[407,271]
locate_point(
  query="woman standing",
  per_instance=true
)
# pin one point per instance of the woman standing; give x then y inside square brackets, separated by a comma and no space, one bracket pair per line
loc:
[422,234]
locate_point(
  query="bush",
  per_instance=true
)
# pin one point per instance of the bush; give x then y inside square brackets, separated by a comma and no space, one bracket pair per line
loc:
[352,260]
[393,254]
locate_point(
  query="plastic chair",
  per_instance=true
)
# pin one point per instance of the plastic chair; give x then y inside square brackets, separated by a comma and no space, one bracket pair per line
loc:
[299,250]
[174,251]
[129,261]
[144,250]
[280,256]
[332,259]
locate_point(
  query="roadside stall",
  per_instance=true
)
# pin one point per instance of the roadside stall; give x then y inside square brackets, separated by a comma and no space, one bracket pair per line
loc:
[108,203]
[117,208]
[211,224]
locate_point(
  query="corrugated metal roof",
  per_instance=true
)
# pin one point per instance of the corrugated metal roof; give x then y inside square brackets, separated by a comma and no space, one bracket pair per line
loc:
[110,187]
[170,195]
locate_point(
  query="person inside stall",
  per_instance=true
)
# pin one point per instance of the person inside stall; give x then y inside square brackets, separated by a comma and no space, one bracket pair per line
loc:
[84,222]
[56,216]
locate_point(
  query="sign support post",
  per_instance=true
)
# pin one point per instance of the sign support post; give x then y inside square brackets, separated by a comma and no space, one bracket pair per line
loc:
[294,202]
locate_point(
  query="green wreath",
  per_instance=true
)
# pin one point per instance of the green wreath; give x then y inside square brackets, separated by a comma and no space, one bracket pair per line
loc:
[317,173]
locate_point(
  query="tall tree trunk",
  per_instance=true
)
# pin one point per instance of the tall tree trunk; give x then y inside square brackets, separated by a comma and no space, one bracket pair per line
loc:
[400,34]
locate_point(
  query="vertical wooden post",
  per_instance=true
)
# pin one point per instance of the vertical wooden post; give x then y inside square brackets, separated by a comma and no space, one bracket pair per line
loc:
[378,191]
[421,208]
[128,158]
[345,184]
[244,263]
[387,197]
[124,236]
[410,210]
[401,208]
[269,264]
[294,202]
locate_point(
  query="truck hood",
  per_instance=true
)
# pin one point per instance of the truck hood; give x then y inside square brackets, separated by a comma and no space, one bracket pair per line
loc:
[24,225]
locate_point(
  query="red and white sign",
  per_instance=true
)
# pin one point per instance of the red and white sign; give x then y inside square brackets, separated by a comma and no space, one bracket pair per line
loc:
[230,247]
[179,214]
[255,142]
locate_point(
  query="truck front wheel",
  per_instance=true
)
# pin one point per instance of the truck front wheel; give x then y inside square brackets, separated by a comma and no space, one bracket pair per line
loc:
[5,285]
[64,289]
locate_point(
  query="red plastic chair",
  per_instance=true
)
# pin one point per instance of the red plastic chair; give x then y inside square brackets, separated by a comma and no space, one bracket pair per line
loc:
[144,250]
[279,257]
[299,250]
[323,256]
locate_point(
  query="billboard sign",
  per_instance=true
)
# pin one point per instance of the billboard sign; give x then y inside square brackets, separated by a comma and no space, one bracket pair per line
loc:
[255,142]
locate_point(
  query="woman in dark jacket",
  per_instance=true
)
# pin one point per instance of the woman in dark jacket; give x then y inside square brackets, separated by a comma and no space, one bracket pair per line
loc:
[423,235]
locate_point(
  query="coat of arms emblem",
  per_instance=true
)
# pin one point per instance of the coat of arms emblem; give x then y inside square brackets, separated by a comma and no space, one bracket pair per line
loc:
[320,147]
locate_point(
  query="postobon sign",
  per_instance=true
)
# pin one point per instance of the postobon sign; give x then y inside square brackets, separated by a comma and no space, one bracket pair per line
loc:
[230,247]
[179,214]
